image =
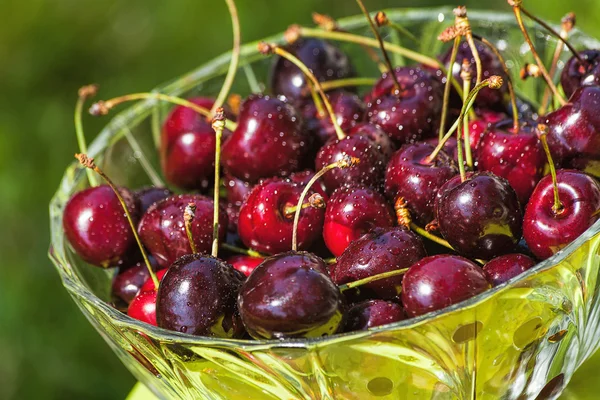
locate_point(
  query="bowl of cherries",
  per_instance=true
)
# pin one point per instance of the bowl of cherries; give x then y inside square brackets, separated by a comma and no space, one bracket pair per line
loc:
[401,204]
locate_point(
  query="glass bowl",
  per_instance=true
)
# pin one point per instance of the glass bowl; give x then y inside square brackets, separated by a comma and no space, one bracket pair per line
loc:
[521,340]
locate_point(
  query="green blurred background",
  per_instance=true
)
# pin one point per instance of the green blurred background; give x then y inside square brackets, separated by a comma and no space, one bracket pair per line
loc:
[48,49]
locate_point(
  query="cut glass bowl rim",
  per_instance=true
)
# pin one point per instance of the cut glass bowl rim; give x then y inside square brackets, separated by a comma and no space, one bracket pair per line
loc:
[204,73]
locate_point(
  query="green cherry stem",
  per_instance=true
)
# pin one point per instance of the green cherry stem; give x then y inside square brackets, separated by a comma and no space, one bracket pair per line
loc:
[218,124]
[466,78]
[464,26]
[446,101]
[84,93]
[369,279]
[188,217]
[405,219]
[88,162]
[558,206]
[381,19]
[342,83]
[239,250]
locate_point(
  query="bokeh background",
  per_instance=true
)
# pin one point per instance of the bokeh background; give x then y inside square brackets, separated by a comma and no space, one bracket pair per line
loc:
[48,49]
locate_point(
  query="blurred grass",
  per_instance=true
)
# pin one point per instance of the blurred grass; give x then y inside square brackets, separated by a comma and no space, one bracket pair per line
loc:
[48,50]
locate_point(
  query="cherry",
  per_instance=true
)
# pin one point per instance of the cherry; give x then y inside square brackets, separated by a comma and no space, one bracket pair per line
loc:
[303,177]
[245,264]
[351,212]
[96,225]
[546,229]
[348,108]
[148,286]
[163,233]
[376,135]
[450,146]
[481,217]
[573,130]
[368,172]
[515,156]
[198,296]
[372,313]
[410,175]
[502,269]
[265,226]
[449,185]
[575,74]
[380,250]
[128,282]
[439,281]
[290,295]
[325,61]
[236,191]
[143,307]
[485,119]
[150,195]
[491,65]
[413,112]
[188,146]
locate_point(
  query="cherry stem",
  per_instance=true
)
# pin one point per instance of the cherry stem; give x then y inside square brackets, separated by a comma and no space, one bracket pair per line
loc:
[352,38]
[568,21]
[344,162]
[466,77]
[554,33]
[405,219]
[315,201]
[218,124]
[251,78]
[463,25]
[445,104]
[329,24]
[382,20]
[372,278]
[493,82]
[558,207]
[84,93]
[317,100]
[239,250]
[509,83]
[386,57]
[103,107]
[317,85]
[88,162]
[538,60]
[235,58]
[342,83]
[188,217]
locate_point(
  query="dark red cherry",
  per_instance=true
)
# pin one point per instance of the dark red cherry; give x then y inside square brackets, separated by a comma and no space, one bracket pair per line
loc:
[348,108]
[573,131]
[352,212]
[517,157]
[491,65]
[150,195]
[325,61]
[162,228]
[245,264]
[576,74]
[96,226]
[502,269]
[481,217]
[143,307]
[265,226]
[440,281]
[412,113]
[236,191]
[450,146]
[449,185]
[378,251]
[411,177]
[268,141]
[368,172]
[377,136]
[188,146]
[485,119]
[198,296]
[290,295]
[547,231]
[128,282]
[372,313]
[303,177]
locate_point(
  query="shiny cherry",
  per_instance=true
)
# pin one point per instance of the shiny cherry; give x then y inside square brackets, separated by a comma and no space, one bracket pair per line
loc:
[352,212]
[96,226]
[547,230]
[377,135]
[198,296]
[143,307]
[263,224]
[150,195]
[303,177]
[290,295]
[409,175]
[326,62]
[128,282]
[412,113]
[162,228]
[481,217]
[576,74]
[268,141]
[501,269]
[440,281]
[236,191]
[372,313]
[378,251]
[245,264]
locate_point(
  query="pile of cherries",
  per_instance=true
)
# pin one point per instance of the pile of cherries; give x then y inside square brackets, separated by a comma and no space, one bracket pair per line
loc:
[398,225]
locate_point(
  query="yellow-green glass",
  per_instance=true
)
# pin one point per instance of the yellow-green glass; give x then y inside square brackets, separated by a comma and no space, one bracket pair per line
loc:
[522,340]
